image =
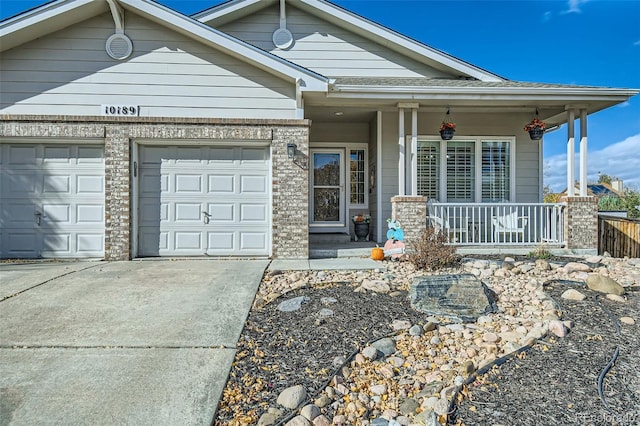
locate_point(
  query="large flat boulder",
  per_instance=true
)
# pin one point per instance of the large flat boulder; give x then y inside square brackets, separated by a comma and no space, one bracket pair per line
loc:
[461,297]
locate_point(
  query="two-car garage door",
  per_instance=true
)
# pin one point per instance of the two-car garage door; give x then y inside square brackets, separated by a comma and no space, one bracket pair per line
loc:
[211,200]
[51,200]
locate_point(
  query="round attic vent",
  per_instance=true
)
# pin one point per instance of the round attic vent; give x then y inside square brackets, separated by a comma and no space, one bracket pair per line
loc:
[119,46]
[282,38]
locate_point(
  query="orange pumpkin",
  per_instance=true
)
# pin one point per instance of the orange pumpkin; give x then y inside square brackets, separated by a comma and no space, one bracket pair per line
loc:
[377,253]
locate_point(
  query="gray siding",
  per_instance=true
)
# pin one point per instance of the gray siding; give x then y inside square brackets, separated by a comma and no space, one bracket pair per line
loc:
[325,48]
[69,72]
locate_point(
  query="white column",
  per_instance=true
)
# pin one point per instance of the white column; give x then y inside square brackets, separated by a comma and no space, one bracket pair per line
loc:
[401,151]
[378,182]
[414,151]
[571,149]
[583,152]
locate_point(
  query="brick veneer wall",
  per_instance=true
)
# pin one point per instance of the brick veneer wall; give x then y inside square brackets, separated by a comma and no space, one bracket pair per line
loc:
[290,176]
[581,223]
[412,213]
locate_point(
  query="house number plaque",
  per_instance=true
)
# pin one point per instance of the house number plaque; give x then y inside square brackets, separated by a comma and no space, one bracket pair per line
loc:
[121,110]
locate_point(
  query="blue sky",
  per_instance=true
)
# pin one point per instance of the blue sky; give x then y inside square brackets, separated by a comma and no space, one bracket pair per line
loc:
[586,42]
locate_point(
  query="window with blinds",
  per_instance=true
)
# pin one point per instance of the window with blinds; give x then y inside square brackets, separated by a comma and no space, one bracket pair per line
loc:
[461,171]
[496,171]
[429,169]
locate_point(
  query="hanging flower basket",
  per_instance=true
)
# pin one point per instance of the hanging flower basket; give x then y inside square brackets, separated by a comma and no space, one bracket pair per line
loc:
[535,128]
[536,134]
[447,134]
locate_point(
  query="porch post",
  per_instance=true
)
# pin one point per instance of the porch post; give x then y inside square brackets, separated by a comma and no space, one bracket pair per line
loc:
[414,151]
[571,149]
[583,152]
[401,150]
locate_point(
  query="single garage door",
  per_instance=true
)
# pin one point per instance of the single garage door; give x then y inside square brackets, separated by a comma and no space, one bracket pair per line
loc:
[203,200]
[52,201]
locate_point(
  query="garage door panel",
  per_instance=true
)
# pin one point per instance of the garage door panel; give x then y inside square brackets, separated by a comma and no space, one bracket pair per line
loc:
[22,241]
[188,212]
[188,183]
[19,185]
[55,184]
[22,155]
[222,184]
[253,184]
[89,243]
[89,184]
[18,215]
[89,155]
[56,243]
[89,214]
[230,183]
[253,213]
[57,154]
[56,213]
[221,213]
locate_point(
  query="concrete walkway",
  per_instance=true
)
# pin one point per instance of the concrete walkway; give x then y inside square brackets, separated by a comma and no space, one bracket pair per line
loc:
[126,343]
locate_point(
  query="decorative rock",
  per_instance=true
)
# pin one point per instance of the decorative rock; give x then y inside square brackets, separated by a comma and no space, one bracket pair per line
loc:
[328,300]
[627,320]
[267,419]
[398,325]
[310,412]
[322,401]
[604,284]
[298,421]
[408,407]
[415,330]
[442,407]
[375,286]
[325,313]
[616,298]
[321,421]
[558,328]
[292,304]
[576,267]
[340,419]
[572,294]
[458,296]
[292,396]
[490,337]
[370,353]
[542,265]
[427,418]
[387,346]
[378,389]
[379,422]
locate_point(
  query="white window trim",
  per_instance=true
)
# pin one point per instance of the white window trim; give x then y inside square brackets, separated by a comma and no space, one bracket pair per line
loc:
[477,140]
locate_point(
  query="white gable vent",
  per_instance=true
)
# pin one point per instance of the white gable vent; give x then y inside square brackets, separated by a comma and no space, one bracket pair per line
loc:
[282,37]
[119,46]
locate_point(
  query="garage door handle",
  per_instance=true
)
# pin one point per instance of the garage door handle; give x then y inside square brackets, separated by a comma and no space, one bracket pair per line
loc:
[206,217]
[39,217]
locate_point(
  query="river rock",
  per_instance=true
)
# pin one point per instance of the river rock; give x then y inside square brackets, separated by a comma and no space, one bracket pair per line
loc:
[292,396]
[604,284]
[291,305]
[573,294]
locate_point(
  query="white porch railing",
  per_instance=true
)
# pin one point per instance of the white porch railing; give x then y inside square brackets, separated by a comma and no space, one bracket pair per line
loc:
[499,223]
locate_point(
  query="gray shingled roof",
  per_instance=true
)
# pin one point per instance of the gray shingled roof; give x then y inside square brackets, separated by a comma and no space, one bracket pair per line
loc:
[438,82]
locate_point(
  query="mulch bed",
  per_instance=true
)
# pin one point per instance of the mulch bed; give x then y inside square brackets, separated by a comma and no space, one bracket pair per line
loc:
[556,383]
[281,349]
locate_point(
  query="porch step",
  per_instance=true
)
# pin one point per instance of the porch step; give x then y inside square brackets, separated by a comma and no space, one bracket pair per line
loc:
[326,252]
[328,239]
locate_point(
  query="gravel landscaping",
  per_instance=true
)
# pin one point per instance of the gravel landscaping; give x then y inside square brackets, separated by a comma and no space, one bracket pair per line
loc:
[336,347]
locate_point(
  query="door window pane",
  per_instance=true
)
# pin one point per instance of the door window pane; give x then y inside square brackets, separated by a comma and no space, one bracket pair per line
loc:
[326,204]
[356,176]
[326,169]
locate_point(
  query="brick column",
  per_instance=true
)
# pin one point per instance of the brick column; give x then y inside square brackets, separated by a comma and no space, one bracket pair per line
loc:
[581,224]
[117,154]
[290,193]
[411,211]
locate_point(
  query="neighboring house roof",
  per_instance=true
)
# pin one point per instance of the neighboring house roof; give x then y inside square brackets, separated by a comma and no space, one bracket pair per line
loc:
[59,14]
[598,190]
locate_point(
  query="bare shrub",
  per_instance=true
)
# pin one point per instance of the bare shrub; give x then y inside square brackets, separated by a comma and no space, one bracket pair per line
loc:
[430,251]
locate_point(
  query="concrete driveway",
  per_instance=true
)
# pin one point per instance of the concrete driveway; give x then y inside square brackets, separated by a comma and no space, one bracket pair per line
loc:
[129,343]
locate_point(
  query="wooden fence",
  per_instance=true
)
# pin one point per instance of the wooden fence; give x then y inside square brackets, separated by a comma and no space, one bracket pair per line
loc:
[619,236]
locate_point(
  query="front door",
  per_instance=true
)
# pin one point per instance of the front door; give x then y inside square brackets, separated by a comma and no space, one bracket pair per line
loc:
[327,189]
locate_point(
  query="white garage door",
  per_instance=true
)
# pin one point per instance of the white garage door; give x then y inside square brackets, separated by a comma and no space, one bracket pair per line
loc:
[52,201]
[203,200]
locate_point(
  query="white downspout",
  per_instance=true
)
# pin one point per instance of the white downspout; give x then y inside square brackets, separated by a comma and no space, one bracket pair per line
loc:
[401,153]
[118,16]
[414,151]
